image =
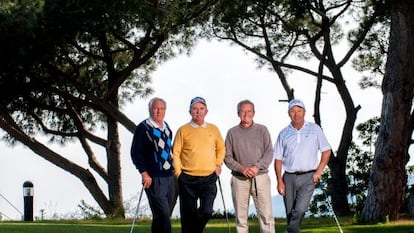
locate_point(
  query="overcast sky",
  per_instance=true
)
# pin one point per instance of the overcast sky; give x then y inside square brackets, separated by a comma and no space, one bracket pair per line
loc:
[220,73]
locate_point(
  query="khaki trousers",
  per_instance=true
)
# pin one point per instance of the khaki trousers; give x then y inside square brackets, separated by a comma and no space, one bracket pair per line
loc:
[259,189]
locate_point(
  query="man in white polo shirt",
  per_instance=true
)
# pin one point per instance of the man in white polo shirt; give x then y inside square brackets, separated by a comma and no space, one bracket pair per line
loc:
[296,151]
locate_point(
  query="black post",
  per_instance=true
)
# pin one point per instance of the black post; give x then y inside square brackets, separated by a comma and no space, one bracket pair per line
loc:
[28,201]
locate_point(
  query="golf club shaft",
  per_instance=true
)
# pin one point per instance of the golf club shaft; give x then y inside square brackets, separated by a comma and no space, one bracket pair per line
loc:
[224,205]
[334,215]
[137,210]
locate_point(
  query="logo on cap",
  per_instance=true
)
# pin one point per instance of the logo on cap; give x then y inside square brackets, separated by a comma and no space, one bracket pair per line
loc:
[296,102]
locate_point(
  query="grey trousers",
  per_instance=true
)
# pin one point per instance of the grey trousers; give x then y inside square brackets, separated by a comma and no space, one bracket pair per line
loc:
[298,193]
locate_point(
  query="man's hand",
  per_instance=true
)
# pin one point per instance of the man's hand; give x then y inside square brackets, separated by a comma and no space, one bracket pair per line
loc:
[281,187]
[250,172]
[316,177]
[146,180]
[253,171]
[218,170]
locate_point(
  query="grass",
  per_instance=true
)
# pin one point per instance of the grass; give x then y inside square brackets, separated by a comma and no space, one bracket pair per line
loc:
[310,225]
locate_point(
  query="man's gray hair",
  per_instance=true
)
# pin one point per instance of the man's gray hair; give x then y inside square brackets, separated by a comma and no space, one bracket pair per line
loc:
[242,103]
[152,101]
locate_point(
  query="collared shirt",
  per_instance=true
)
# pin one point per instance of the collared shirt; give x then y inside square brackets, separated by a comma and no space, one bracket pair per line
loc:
[195,125]
[298,149]
[155,124]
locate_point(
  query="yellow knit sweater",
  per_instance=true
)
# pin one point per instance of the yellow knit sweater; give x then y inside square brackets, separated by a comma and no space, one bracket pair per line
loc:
[197,150]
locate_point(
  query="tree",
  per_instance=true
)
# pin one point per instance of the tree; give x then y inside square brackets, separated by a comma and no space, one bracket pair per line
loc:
[279,33]
[388,174]
[73,77]
[357,169]
[360,162]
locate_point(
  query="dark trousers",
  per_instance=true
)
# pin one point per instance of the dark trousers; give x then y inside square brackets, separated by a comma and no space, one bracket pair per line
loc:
[197,194]
[160,196]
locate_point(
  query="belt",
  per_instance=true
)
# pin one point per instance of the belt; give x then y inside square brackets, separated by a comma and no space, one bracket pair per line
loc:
[301,172]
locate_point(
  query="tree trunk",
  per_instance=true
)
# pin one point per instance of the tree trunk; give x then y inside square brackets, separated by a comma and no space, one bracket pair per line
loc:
[388,176]
[114,171]
[338,188]
[338,183]
[87,178]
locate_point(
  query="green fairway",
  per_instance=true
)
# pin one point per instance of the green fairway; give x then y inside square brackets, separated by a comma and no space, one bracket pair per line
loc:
[325,225]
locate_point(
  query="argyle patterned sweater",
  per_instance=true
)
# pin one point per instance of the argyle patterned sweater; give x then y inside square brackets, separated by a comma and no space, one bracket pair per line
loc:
[151,149]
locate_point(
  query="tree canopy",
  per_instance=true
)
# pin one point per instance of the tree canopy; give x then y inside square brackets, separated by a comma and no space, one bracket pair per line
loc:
[75,64]
[281,34]
[68,67]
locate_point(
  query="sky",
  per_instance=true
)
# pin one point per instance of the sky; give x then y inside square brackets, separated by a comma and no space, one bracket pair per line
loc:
[223,75]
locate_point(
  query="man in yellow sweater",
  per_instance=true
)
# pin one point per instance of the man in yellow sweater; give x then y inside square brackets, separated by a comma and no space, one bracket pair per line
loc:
[198,153]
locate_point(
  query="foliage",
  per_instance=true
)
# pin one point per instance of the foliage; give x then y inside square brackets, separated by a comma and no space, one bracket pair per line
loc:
[358,172]
[372,53]
[319,205]
[221,214]
[79,58]
[130,206]
[408,202]
[358,169]
[66,80]
[360,163]
[313,39]
[90,212]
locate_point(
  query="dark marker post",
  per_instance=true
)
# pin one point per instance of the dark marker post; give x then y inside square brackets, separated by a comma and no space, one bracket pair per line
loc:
[28,201]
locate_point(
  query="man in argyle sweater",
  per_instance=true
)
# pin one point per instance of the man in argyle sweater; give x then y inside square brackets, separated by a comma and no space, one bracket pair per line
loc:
[151,155]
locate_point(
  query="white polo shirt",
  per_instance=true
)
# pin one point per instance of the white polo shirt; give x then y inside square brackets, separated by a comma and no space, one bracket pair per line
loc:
[299,149]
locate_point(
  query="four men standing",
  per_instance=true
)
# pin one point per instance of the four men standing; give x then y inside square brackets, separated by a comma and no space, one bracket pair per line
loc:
[198,153]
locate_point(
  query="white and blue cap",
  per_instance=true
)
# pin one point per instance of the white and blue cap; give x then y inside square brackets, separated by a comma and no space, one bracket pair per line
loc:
[198,99]
[296,102]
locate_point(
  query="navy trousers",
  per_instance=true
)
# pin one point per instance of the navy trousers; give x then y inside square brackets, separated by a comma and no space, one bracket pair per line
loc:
[160,197]
[197,194]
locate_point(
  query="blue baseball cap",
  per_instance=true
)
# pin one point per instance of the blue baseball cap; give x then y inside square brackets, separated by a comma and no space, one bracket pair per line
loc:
[198,100]
[296,102]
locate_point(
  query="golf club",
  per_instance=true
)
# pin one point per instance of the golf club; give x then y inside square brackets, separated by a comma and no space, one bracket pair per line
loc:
[136,211]
[224,205]
[333,212]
